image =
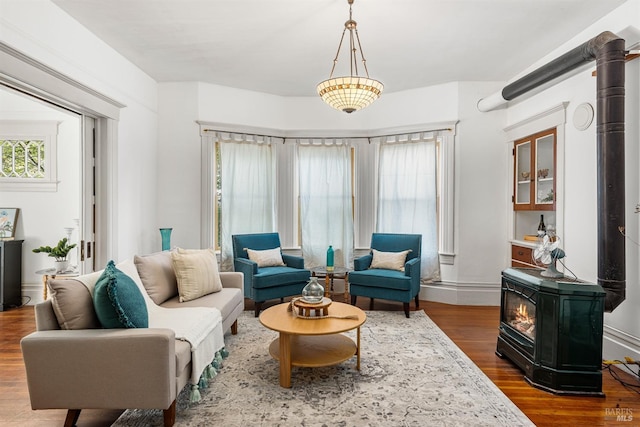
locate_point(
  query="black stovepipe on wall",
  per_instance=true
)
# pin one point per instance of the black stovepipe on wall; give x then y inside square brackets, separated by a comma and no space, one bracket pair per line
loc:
[609,52]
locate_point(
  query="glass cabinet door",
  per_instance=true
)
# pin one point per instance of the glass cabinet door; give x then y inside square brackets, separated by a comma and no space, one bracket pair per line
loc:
[544,167]
[523,176]
[534,169]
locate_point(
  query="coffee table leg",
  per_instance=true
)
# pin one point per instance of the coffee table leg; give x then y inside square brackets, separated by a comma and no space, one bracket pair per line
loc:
[285,360]
[358,351]
[327,292]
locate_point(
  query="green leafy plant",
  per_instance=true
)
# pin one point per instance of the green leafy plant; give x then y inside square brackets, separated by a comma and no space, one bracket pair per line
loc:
[58,252]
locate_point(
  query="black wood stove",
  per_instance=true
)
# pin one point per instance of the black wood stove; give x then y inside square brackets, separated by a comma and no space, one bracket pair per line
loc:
[552,330]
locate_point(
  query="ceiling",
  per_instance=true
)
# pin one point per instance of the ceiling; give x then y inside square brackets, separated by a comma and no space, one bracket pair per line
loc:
[286,47]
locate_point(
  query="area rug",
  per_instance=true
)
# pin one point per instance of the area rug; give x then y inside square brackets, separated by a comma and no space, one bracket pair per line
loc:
[411,374]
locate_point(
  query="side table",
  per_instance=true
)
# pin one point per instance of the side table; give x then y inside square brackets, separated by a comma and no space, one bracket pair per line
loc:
[338,272]
[50,273]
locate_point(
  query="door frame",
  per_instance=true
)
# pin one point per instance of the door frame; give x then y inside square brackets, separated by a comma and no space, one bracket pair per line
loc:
[29,76]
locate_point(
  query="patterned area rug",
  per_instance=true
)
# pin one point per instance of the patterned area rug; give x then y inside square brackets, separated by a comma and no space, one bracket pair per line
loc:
[411,374]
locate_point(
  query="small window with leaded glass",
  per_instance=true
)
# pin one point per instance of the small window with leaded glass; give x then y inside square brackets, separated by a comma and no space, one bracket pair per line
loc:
[27,150]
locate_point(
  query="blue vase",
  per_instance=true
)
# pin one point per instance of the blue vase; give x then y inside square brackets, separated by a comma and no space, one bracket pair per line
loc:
[165,233]
[330,259]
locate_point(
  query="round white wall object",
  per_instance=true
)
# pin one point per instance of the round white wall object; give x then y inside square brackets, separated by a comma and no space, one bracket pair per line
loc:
[583,116]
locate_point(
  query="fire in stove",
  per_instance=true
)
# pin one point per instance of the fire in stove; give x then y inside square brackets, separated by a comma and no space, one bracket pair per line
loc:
[522,321]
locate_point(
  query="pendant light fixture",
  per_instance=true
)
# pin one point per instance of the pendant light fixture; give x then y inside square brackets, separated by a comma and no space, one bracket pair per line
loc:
[353,92]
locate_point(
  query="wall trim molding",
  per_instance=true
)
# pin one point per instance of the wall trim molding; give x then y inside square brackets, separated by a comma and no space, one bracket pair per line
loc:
[461,293]
[37,79]
[617,344]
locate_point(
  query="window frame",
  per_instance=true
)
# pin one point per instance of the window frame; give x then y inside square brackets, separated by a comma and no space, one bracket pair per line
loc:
[27,130]
[446,180]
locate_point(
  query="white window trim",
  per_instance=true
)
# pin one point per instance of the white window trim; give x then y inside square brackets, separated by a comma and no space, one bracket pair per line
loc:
[44,130]
[447,176]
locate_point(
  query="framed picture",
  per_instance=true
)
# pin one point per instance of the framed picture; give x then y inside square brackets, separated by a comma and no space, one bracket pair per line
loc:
[8,219]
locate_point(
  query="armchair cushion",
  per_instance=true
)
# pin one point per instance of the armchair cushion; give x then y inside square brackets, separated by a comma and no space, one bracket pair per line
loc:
[196,273]
[157,275]
[389,260]
[268,277]
[380,278]
[118,301]
[267,257]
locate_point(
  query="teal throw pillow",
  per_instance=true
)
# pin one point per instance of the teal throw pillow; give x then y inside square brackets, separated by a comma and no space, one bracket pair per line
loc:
[118,301]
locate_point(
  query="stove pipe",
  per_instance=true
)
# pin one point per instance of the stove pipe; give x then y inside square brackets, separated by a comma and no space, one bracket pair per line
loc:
[608,51]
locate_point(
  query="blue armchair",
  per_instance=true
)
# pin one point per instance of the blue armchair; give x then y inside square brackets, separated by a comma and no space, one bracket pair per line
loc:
[385,283]
[265,283]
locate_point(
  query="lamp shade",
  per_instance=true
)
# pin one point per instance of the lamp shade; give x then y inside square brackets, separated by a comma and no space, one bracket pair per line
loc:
[350,93]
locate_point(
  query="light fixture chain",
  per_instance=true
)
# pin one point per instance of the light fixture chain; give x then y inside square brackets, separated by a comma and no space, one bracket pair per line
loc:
[353,57]
[335,60]
[364,61]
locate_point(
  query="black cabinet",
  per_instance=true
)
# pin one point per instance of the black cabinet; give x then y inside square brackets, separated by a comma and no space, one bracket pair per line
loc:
[10,274]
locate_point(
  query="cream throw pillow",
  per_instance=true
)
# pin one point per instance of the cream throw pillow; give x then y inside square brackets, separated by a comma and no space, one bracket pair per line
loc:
[196,273]
[266,258]
[389,260]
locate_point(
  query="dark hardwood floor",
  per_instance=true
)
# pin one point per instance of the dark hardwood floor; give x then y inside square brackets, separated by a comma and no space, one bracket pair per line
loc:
[473,329]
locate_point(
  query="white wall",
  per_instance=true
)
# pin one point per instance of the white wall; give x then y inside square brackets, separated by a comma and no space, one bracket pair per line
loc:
[622,327]
[41,30]
[481,207]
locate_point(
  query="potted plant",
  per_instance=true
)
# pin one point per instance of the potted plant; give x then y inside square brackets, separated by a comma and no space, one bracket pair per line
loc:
[59,252]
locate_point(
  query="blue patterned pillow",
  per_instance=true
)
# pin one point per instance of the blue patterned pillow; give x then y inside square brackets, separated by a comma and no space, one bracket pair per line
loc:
[118,301]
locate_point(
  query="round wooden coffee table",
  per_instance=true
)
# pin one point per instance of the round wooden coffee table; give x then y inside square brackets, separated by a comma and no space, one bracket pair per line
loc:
[312,342]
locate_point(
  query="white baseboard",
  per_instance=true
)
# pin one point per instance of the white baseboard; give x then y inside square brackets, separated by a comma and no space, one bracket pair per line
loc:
[617,344]
[462,293]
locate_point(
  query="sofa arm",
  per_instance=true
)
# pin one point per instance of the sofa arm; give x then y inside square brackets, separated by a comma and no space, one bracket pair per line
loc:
[232,279]
[293,261]
[101,368]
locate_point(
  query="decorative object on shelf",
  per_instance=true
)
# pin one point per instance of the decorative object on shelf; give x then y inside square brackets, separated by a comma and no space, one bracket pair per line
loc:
[548,197]
[525,175]
[313,292]
[60,252]
[542,229]
[330,259]
[547,253]
[165,233]
[8,220]
[353,92]
[543,173]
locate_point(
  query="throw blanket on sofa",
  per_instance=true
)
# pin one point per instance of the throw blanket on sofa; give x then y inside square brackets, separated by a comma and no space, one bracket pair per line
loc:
[200,326]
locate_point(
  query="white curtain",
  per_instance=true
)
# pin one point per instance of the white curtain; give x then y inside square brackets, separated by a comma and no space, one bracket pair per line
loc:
[248,189]
[326,202]
[407,194]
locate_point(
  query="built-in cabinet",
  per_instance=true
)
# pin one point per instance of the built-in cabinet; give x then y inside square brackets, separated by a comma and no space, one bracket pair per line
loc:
[534,192]
[534,172]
